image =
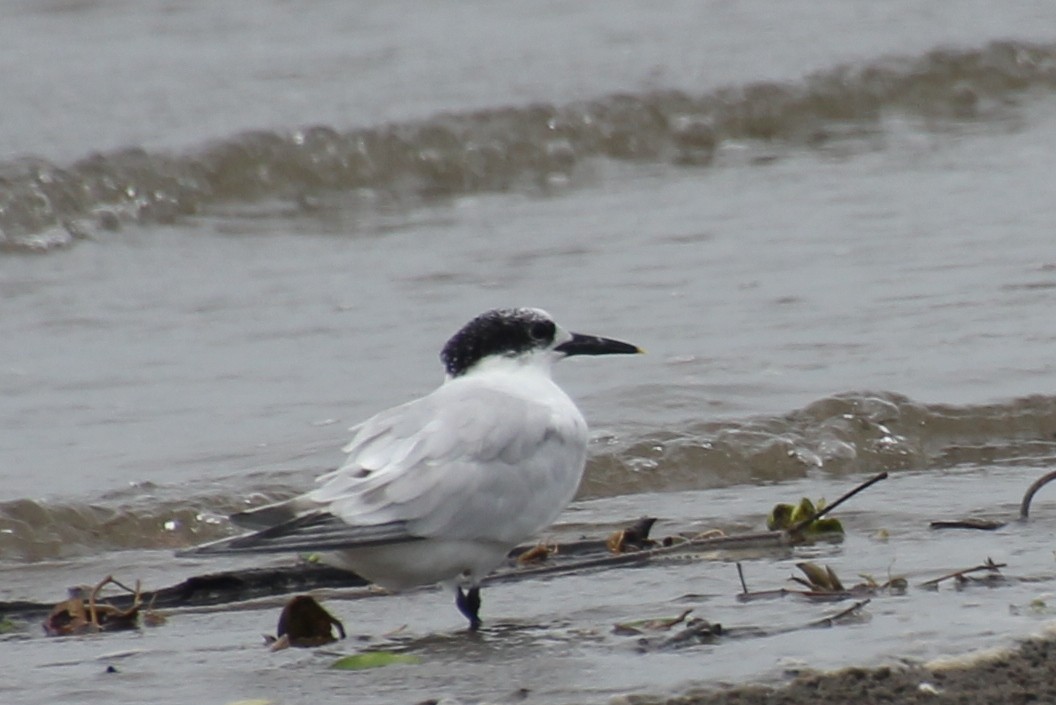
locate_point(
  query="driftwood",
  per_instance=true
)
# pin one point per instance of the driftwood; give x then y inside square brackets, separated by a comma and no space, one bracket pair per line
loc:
[977,524]
[217,589]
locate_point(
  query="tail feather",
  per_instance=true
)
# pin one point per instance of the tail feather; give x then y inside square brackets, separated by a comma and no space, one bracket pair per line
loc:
[315,531]
[272,514]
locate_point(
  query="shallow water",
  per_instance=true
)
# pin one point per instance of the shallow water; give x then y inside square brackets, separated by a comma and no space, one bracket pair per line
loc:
[226,238]
[554,638]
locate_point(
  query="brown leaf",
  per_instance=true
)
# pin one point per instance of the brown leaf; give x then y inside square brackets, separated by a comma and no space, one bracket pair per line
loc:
[67,617]
[537,554]
[304,623]
[632,538]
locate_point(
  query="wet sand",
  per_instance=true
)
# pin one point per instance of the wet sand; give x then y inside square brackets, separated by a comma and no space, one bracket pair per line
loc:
[1024,674]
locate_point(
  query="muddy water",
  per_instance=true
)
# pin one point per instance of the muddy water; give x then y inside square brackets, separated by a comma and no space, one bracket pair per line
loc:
[226,238]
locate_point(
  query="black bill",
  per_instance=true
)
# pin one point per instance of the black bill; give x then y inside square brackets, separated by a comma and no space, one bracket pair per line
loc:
[596,345]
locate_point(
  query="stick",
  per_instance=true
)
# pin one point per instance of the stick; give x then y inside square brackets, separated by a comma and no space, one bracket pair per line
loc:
[989,565]
[829,621]
[763,539]
[91,601]
[817,515]
[740,573]
[125,587]
[1024,507]
[978,524]
[763,595]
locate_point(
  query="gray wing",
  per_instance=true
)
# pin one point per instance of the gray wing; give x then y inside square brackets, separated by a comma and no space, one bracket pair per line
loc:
[466,462]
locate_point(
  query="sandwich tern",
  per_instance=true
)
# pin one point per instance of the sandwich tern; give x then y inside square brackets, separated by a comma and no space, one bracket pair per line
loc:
[438,490]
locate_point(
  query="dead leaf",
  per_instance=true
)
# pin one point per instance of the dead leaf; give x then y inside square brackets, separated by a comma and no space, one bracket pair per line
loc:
[304,623]
[632,538]
[72,616]
[537,554]
[67,617]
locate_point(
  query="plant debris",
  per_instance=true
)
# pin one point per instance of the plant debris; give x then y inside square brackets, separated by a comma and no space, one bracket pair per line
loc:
[632,538]
[803,518]
[823,585]
[74,616]
[842,616]
[697,631]
[992,569]
[641,626]
[304,624]
[538,553]
[819,578]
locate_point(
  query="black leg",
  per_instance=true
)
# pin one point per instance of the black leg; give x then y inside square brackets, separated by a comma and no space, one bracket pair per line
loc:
[469,604]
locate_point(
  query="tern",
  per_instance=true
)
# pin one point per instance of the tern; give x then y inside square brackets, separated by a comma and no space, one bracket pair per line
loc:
[438,490]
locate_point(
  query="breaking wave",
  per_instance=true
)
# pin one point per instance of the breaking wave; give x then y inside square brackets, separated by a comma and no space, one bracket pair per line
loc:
[842,434]
[44,206]
[838,435]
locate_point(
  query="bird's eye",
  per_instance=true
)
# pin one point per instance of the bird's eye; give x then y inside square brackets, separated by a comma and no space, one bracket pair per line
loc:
[542,331]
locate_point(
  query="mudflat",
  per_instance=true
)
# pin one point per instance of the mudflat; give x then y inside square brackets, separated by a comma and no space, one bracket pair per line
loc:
[1024,674]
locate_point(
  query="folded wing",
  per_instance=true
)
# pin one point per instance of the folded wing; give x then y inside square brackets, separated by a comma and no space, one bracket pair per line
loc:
[467,462]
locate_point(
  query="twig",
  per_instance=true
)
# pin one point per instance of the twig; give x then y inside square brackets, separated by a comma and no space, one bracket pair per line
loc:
[91,601]
[1024,507]
[989,565]
[740,574]
[742,541]
[830,621]
[125,587]
[799,525]
[697,632]
[764,595]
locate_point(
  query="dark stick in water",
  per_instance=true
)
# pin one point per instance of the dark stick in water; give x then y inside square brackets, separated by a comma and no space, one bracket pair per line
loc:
[1024,507]
[817,515]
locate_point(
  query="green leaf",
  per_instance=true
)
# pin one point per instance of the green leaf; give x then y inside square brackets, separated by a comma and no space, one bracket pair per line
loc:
[373,659]
[826,525]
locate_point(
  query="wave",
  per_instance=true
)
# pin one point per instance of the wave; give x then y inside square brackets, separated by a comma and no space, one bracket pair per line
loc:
[839,435]
[141,516]
[847,433]
[44,206]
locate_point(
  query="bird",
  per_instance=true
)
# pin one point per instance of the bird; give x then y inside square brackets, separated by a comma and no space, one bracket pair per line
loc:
[439,489]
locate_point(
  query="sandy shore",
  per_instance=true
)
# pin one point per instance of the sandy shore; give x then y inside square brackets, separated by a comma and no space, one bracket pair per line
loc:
[1026,674]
